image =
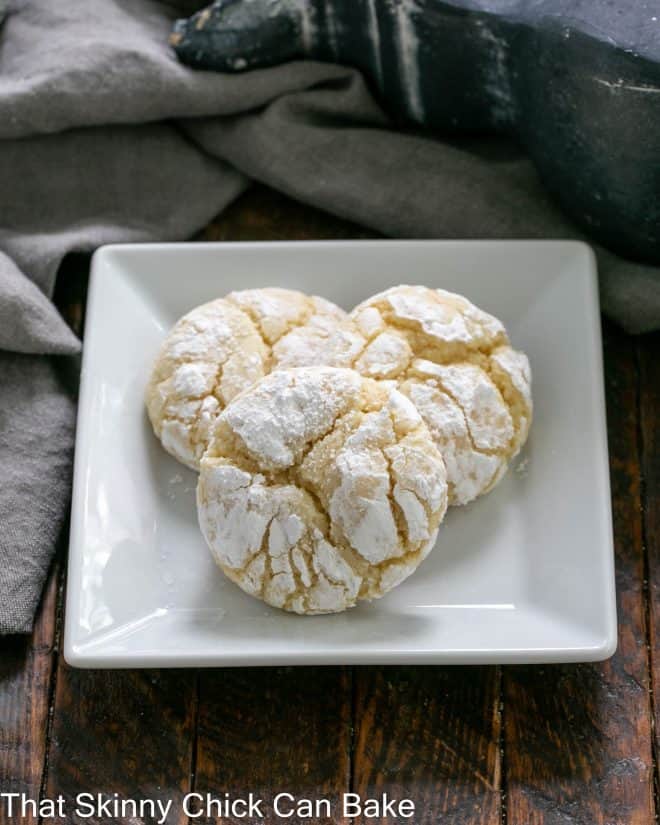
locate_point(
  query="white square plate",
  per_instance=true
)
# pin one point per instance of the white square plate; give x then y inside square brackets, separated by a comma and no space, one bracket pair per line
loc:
[522,575]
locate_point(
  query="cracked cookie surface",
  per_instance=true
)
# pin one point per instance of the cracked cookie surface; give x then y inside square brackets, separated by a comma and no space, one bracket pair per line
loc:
[320,487]
[455,363]
[223,347]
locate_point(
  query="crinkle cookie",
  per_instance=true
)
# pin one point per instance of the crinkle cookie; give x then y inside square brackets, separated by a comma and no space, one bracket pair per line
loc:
[319,488]
[223,347]
[456,365]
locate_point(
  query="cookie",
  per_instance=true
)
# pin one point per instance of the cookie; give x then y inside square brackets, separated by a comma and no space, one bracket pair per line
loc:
[221,348]
[455,363]
[320,487]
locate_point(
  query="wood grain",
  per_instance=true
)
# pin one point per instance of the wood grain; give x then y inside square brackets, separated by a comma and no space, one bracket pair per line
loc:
[261,214]
[275,730]
[430,734]
[649,361]
[122,732]
[578,738]
[26,671]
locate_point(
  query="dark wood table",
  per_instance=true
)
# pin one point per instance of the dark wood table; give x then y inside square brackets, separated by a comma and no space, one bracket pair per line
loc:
[560,745]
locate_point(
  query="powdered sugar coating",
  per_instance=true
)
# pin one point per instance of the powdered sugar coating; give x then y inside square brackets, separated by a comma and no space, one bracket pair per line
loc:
[454,361]
[221,348]
[320,487]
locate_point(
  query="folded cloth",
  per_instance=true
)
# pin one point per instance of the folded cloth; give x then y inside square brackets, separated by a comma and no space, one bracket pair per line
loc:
[105,137]
[37,413]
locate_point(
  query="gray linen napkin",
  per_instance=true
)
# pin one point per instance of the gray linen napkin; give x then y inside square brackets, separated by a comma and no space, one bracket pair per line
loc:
[37,414]
[105,137]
